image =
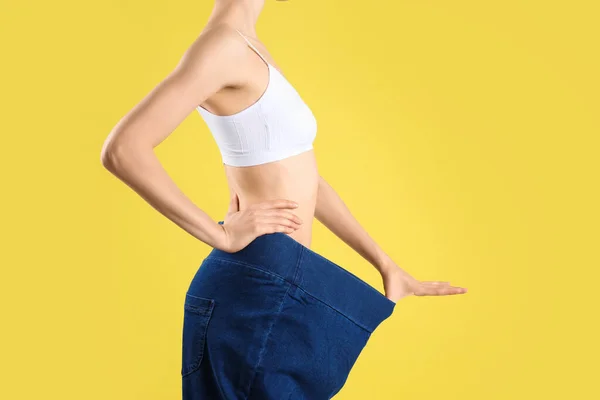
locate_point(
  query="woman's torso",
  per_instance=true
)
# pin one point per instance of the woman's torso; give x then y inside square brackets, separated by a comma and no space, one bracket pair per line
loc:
[294,178]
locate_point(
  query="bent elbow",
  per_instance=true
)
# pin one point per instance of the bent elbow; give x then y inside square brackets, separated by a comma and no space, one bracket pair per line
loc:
[113,155]
[105,156]
[108,155]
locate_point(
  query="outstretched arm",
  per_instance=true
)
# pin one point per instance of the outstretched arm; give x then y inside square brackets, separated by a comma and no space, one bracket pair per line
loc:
[333,213]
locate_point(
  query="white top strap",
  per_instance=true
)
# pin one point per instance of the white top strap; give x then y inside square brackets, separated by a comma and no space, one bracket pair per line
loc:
[252,46]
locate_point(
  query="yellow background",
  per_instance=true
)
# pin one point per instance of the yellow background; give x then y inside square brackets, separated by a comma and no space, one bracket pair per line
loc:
[463,135]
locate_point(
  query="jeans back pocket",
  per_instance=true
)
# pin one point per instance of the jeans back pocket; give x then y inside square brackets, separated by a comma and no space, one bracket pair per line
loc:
[196,316]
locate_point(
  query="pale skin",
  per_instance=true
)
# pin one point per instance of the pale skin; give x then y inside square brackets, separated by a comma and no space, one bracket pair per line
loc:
[221,73]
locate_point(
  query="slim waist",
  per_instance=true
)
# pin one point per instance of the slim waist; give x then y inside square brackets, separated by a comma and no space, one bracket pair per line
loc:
[325,280]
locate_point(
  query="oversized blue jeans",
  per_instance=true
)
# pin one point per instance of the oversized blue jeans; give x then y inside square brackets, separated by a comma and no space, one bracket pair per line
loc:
[274,321]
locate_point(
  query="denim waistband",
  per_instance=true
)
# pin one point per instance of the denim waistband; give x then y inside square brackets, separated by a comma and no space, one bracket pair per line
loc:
[340,289]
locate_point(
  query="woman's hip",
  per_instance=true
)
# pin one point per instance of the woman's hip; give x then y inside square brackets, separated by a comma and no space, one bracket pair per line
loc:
[276,320]
[254,281]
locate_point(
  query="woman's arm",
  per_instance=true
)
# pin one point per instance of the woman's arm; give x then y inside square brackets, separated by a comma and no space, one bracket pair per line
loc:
[333,213]
[208,65]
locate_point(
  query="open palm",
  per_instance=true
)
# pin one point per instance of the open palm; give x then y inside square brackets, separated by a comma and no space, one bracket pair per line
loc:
[399,284]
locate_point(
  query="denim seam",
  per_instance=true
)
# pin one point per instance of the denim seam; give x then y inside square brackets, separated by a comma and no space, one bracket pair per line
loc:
[297,271]
[335,309]
[212,368]
[266,341]
[299,287]
[208,316]
[345,271]
[218,382]
[250,266]
[292,283]
[201,298]
[302,251]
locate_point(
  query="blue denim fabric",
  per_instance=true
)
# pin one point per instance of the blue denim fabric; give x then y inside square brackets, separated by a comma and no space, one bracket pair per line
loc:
[274,321]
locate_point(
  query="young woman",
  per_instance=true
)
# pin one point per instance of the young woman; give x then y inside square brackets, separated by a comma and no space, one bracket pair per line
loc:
[265,317]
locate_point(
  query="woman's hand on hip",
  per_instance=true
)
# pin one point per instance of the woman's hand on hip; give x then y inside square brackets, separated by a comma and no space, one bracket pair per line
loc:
[240,228]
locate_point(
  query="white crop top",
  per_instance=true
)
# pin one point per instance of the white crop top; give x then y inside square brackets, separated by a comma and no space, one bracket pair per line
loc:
[277,126]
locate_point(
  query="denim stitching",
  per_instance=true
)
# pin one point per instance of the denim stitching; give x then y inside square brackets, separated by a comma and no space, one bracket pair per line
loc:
[205,343]
[297,272]
[264,346]
[217,381]
[201,298]
[250,266]
[345,271]
[212,367]
[336,310]
[299,287]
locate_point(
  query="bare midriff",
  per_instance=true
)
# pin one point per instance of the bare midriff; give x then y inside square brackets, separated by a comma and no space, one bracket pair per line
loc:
[295,178]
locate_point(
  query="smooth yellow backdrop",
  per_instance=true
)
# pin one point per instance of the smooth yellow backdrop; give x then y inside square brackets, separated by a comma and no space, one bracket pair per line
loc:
[463,135]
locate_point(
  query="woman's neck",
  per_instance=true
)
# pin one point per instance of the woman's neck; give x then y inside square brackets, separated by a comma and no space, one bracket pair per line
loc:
[241,14]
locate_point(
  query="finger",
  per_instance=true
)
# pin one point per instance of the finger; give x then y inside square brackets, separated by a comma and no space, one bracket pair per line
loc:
[438,290]
[433,291]
[281,214]
[451,290]
[272,228]
[278,203]
[434,286]
[278,221]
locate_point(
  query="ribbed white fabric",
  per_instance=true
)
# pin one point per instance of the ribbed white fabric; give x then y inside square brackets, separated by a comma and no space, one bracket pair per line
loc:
[277,126]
